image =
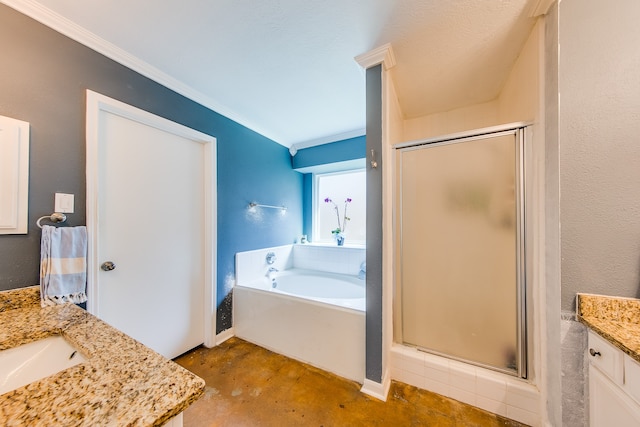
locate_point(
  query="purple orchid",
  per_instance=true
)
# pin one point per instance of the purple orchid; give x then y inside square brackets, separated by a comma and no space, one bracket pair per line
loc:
[343,225]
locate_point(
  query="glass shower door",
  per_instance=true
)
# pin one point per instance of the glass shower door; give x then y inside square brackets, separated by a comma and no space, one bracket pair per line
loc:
[460,249]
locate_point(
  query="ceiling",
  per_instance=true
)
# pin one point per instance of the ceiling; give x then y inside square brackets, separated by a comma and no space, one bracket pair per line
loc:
[286,68]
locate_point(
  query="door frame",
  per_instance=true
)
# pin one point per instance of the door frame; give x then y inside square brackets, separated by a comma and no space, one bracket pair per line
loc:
[96,104]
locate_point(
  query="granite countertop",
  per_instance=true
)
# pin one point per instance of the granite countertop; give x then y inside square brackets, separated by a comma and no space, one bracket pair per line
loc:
[616,319]
[122,382]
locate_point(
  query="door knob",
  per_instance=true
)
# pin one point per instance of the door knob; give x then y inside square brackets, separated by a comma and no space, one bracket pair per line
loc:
[594,353]
[108,266]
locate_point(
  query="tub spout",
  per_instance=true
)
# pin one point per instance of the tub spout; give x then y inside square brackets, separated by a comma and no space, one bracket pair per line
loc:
[271,274]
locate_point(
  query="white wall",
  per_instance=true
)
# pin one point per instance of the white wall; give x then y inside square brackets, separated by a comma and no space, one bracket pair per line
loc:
[553,357]
[447,122]
[599,83]
[520,98]
[518,101]
[392,134]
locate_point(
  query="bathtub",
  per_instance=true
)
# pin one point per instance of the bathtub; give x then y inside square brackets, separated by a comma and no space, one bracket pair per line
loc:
[312,316]
[335,289]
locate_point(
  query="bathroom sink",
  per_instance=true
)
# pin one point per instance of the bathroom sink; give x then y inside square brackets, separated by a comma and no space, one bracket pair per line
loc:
[27,363]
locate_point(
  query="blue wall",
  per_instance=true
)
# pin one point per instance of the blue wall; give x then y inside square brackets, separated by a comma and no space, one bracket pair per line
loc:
[45,76]
[339,151]
[253,168]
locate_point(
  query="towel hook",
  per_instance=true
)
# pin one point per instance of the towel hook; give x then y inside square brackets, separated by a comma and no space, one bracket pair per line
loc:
[54,217]
[374,163]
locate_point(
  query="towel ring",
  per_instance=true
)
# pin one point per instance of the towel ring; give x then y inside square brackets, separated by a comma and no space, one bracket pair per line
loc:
[54,217]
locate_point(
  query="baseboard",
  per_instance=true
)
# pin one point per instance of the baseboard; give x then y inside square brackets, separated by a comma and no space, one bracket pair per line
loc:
[225,335]
[377,390]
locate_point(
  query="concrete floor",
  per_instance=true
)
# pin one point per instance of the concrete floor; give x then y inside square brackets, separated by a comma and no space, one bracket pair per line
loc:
[250,386]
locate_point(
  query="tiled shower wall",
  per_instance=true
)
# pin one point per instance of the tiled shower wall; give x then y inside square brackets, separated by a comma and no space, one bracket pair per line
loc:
[332,259]
[483,388]
[252,265]
[498,394]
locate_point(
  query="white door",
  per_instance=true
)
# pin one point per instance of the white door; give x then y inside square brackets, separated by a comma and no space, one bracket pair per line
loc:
[149,215]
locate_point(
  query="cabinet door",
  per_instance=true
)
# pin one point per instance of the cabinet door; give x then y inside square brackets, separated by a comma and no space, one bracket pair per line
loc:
[608,358]
[609,406]
[14,175]
[631,378]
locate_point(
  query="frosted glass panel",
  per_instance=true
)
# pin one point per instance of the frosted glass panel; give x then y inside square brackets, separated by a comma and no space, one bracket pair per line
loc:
[458,249]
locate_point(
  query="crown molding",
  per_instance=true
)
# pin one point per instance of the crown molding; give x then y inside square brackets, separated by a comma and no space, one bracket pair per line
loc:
[329,139]
[75,32]
[380,55]
[540,7]
[347,165]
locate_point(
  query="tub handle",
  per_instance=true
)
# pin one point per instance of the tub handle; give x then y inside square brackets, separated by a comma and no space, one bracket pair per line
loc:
[362,274]
[271,258]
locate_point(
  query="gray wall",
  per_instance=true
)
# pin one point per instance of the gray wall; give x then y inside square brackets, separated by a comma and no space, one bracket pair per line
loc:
[373,370]
[599,165]
[599,116]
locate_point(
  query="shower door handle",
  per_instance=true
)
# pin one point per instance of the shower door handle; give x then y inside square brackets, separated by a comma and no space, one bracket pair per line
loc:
[108,266]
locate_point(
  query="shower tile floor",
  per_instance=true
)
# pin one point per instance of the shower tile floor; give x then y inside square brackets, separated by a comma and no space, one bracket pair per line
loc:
[250,386]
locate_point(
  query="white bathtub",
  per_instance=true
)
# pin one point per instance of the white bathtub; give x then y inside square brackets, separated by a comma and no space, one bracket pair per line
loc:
[329,288]
[311,316]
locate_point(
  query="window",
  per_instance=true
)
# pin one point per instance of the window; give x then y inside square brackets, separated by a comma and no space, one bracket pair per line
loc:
[340,187]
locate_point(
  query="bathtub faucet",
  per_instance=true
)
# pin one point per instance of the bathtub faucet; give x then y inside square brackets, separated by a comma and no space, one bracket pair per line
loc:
[362,274]
[271,274]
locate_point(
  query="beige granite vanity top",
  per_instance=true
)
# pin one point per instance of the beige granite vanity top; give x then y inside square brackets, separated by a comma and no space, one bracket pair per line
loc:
[616,319]
[123,383]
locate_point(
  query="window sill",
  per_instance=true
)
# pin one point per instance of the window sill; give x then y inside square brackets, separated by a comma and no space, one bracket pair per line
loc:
[333,244]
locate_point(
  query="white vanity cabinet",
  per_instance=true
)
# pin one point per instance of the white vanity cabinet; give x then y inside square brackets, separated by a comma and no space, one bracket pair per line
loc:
[614,385]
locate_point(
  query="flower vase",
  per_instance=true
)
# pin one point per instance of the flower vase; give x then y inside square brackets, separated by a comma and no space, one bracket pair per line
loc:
[339,239]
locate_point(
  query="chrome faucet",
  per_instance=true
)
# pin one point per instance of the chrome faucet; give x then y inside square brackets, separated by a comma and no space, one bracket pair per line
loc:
[362,274]
[271,258]
[271,274]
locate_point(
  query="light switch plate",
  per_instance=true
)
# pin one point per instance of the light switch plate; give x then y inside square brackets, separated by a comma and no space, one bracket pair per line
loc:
[64,203]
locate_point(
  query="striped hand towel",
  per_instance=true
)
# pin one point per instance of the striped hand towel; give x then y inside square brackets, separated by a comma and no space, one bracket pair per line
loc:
[63,265]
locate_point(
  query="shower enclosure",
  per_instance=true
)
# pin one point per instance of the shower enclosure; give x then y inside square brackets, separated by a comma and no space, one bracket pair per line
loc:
[460,253]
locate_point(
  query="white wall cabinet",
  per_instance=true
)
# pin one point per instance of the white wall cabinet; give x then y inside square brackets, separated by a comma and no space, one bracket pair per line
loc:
[614,385]
[14,175]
